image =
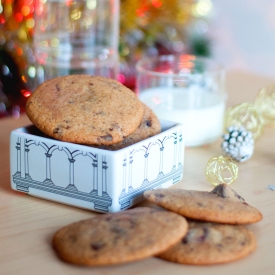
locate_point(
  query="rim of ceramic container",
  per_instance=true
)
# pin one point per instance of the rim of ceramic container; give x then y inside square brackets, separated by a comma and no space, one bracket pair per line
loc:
[214,67]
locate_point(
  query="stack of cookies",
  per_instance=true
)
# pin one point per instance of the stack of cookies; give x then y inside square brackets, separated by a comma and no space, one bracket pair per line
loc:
[216,222]
[91,110]
[195,227]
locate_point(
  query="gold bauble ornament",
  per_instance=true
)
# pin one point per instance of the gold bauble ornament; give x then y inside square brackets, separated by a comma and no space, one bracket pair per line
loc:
[245,115]
[265,103]
[221,170]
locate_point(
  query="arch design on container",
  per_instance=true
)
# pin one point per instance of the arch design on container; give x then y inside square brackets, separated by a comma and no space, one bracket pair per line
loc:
[128,192]
[23,180]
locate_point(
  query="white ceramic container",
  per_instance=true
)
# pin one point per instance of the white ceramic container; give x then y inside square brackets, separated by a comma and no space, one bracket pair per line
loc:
[92,178]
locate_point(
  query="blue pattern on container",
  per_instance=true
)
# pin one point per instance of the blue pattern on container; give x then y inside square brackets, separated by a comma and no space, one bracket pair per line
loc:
[98,194]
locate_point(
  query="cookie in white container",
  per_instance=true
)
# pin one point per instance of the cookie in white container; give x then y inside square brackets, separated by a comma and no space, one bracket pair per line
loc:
[93,178]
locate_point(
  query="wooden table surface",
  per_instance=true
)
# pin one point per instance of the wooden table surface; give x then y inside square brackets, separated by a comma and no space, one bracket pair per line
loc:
[27,224]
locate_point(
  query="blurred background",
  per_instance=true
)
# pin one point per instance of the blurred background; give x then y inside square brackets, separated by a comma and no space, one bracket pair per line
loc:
[239,34]
[243,35]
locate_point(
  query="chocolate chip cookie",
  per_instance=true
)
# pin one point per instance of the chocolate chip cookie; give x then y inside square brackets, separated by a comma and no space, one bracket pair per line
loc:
[148,127]
[121,237]
[85,109]
[210,243]
[221,205]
